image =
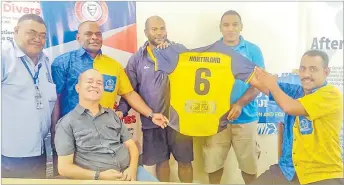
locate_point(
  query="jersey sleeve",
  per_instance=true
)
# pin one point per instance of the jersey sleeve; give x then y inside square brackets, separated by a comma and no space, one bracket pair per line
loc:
[167,59]
[124,83]
[242,68]
[325,101]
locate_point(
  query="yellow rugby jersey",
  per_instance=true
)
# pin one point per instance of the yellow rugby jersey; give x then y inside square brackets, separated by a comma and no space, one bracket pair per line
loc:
[116,81]
[319,133]
[201,82]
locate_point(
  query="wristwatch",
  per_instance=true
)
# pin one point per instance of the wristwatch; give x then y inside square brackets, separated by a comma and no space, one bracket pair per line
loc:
[150,116]
[96,176]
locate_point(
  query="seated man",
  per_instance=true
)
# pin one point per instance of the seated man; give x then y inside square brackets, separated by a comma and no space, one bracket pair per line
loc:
[91,141]
[311,153]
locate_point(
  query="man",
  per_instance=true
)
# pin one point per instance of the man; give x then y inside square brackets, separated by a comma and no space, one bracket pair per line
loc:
[28,98]
[241,131]
[153,86]
[311,152]
[67,67]
[92,142]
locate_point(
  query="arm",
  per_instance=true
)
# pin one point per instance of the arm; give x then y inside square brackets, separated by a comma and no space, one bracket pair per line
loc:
[130,71]
[283,100]
[287,104]
[251,93]
[137,103]
[67,168]
[131,172]
[126,138]
[54,118]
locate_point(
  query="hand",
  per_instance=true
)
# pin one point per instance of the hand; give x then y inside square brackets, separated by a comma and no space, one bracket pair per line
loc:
[234,112]
[262,76]
[163,45]
[160,120]
[110,174]
[119,114]
[129,175]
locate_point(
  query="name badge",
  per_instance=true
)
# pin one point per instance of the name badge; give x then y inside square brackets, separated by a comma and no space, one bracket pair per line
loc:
[38,98]
[306,126]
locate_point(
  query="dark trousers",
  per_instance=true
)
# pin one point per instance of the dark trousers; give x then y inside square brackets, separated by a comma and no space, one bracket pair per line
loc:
[275,176]
[24,167]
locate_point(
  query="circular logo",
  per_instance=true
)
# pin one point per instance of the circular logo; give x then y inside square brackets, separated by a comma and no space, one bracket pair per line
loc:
[91,11]
[110,83]
[304,124]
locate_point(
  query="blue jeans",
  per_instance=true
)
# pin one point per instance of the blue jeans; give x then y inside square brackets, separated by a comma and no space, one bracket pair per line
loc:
[144,175]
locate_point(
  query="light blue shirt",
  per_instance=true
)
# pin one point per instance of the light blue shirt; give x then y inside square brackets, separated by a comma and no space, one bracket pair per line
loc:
[24,127]
[252,52]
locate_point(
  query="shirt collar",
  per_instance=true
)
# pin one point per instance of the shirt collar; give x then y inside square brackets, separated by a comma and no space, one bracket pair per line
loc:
[315,89]
[143,48]
[80,109]
[20,53]
[242,43]
[81,51]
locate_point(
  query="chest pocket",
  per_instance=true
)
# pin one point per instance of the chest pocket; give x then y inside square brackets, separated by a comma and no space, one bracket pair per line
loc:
[306,125]
[112,131]
[109,83]
[84,139]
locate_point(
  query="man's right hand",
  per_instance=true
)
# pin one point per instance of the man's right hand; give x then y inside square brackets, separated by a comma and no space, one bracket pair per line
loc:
[119,114]
[110,174]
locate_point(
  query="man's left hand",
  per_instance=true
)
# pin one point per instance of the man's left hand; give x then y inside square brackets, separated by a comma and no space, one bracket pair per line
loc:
[160,120]
[234,112]
[129,175]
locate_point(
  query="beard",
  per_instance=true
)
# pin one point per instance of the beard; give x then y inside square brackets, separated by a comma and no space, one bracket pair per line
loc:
[156,43]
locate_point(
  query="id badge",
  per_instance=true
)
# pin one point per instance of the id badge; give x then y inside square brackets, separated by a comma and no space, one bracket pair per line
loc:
[38,97]
[306,126]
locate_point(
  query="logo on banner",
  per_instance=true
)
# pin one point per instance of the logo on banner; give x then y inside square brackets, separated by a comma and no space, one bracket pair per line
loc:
[91,11]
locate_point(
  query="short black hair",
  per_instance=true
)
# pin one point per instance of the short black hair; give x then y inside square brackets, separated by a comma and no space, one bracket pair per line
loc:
[33,17]
[322,54]
[231,12]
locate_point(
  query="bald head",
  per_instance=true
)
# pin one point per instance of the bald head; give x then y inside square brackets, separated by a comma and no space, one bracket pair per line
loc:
[89,73]
[90,85]
[153,19]
[155,30]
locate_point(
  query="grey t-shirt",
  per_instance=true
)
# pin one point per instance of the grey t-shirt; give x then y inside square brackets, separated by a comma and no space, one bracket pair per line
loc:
[97,142]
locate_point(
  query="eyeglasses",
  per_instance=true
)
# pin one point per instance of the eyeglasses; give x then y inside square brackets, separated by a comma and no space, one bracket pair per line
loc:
[34,34]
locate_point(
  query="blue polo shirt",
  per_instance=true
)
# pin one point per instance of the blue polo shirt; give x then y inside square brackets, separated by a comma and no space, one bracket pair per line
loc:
[251,51]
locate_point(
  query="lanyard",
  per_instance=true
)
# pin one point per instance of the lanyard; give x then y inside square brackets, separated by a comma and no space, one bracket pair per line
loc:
[36,73]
